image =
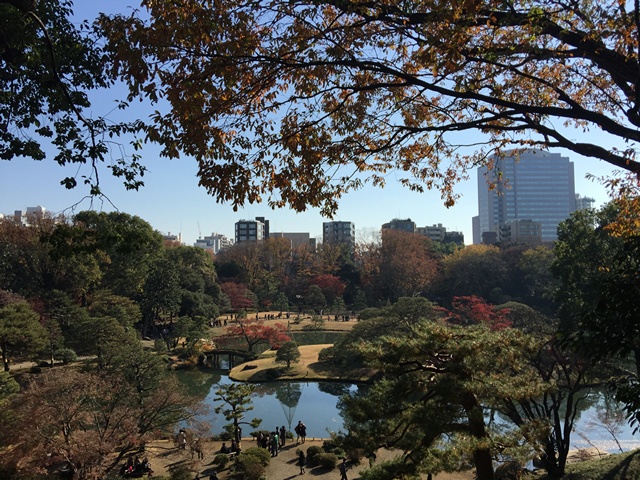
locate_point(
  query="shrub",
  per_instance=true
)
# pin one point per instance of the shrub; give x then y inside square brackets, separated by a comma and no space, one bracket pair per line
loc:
[65,355]
[261,454]
[251,463]
[335,445]
[221,460]
[181,473]
[312,452]
[330,444]
[368,313]
[254,434]
[396,468]
[326,460]
[253,471]
[327,354]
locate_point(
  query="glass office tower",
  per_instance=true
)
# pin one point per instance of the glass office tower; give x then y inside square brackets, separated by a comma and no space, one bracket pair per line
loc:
[537,186]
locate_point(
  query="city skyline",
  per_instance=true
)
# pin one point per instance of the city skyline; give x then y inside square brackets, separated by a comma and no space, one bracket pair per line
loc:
[173,204]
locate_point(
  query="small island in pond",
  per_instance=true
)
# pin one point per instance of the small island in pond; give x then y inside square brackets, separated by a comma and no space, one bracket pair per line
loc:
[266,368]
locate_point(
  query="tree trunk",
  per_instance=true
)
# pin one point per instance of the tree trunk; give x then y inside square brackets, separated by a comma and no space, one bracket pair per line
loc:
[481,456]
[5,357]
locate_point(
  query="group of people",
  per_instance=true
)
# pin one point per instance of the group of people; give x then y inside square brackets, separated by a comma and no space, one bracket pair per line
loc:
[234,448]
[273,316]
[134,468]
[301,432]
[273,441]
[218,322]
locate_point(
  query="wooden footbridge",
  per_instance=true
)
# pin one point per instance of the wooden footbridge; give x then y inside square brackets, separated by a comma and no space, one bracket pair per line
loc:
[234,356]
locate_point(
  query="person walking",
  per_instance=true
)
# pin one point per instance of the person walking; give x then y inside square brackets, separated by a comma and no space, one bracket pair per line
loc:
[301,461]
[303,432]
[274,444]
[343,469]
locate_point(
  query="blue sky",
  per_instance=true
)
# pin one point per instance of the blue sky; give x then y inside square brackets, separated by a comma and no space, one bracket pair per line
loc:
[171,200]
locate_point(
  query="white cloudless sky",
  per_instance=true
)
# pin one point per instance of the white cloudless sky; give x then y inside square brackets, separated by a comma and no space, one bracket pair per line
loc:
[171,200]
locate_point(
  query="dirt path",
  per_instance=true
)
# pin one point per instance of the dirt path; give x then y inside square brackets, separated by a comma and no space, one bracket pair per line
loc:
[164,457]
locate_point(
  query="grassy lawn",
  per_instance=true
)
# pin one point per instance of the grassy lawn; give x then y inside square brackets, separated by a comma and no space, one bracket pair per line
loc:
[625,466]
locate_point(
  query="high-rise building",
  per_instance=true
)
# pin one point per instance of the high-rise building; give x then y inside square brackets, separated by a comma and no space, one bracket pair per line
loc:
[520,231]
[171,237]
[584,203]
[438,233]
[403,225]
[265,222]
[32,213]
[339,232]
[537,186]
[250,231]
[213,243]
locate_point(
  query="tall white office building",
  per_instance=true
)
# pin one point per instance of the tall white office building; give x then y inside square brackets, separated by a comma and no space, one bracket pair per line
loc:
[538,186]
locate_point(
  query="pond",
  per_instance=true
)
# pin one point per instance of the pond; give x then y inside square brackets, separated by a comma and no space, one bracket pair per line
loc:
[276,403]
[316,404]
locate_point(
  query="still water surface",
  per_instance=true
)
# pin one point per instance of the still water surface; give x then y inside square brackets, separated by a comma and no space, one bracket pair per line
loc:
[276,403]
[316,404]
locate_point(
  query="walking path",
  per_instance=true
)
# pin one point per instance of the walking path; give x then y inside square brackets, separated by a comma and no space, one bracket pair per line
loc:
[165,456]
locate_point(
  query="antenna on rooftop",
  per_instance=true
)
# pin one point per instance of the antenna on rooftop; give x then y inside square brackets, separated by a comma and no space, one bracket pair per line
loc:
[199,232]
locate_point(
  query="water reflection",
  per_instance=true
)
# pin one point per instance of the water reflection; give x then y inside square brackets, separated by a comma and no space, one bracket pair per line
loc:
[317,405]
[276,403]
[198,382]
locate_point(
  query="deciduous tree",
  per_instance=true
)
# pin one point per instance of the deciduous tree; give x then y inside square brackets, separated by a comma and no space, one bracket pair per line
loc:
[331,286]
[599,292]
[548,419]
[256,331]
[301,102]
[473,270]
[125,244]
[314,299]
[240,297]
[88,421]
[50,63]
[474,310]
[408,265]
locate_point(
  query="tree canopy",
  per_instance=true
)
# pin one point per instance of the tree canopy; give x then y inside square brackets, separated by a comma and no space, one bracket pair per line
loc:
[436,384]
[300,102]
[50,64]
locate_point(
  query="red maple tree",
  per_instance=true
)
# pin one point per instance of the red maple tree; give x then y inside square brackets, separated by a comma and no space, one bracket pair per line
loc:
[240,297]
[471,310]
[256,331]
[332,287]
